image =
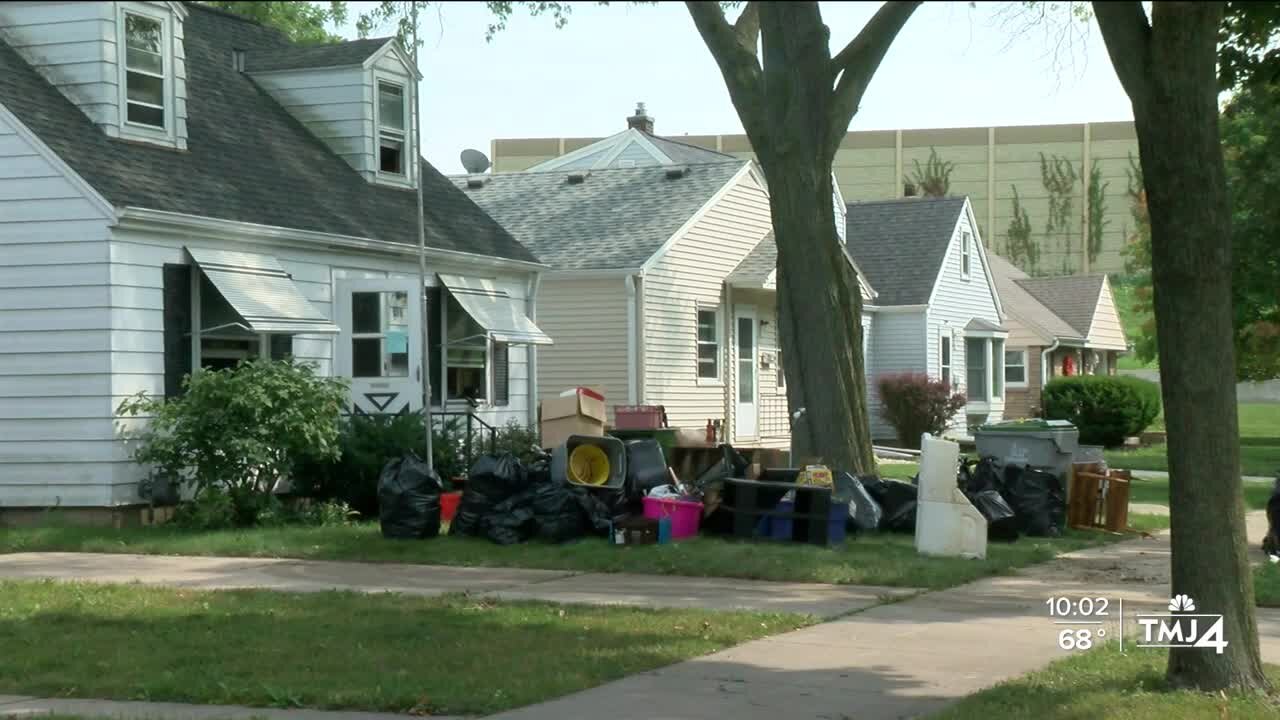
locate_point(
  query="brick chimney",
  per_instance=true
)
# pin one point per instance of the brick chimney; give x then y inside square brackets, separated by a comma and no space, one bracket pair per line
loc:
[641,120]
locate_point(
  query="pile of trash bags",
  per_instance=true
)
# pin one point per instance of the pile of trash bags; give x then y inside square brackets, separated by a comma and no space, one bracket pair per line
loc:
[409,499]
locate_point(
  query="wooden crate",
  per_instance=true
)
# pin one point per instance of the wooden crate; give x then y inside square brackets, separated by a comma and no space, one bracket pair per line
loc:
[1097,499]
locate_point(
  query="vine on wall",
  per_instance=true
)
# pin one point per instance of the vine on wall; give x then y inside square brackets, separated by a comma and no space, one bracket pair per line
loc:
[934,178]
[1097,207]
[1021,249]
[1059,178]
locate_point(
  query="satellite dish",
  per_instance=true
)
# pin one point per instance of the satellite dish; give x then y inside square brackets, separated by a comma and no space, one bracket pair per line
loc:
[474,161]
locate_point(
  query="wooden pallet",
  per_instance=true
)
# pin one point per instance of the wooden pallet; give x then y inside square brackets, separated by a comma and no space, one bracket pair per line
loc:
[1098,498]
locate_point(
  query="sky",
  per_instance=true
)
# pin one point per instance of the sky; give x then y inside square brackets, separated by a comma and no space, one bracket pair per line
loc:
[952,66]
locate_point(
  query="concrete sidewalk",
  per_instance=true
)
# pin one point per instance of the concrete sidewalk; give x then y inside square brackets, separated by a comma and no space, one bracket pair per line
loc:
[217,573]
[21,706]
[897,660]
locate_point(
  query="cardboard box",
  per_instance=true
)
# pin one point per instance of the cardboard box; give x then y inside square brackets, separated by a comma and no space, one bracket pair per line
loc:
[577,411]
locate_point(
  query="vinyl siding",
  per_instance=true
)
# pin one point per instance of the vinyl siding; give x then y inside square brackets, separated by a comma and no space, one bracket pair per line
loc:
[688,276]
[75,47]
[897,345]
[56,397]
[956,301]
[1106,331]
[587,319]
[336,105]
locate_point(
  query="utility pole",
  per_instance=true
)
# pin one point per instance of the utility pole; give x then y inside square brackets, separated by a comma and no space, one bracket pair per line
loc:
[425,351]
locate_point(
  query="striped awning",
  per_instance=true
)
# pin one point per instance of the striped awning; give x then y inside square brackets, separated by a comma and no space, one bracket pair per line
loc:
[261,293]
[494,310]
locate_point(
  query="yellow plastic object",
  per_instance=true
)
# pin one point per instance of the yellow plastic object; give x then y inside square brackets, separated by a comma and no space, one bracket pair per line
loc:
[589,465]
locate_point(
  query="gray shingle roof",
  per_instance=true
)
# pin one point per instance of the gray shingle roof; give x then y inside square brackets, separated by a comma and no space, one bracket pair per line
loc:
[900,244]
[296,57]
[1074,298]
[986,325]
[248,160]
[681,152]
[757,265]
[614,219]
[1020,303]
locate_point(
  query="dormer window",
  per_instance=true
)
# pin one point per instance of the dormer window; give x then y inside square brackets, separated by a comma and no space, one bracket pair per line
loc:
[144,68]
[392,115]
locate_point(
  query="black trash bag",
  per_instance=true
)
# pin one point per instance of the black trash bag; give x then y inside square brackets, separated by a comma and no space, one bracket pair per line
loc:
[595,512]
[864,511]
[646,467]
[409,499]
[493,479]
[897,500]
[984,476]
[730,465]
[1037,499]
[1002,522]
[1271,543]
[512,520]
[557,515]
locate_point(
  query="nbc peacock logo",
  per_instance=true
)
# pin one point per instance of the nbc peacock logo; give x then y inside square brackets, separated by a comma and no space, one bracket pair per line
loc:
[1182,626]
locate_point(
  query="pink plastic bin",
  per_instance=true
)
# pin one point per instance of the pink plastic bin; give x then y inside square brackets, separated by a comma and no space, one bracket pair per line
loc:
[685,515]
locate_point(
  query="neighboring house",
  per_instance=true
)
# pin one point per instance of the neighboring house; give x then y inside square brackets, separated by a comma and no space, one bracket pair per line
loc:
[937,310]
[1057,326]
[183,188]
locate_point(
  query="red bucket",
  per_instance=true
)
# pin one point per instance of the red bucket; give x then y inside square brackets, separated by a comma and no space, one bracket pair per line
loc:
[449,505]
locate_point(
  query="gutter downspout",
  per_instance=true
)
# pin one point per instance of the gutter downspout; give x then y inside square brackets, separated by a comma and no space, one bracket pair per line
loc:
[530,309]
[640,332]
[633,343]
[1044,362]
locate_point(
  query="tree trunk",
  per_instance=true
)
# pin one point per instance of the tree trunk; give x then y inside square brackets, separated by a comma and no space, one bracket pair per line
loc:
[1169,71]
[819,313]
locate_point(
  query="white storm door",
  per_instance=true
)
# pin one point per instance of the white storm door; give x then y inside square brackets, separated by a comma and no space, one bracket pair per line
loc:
[747,386]
[380,346]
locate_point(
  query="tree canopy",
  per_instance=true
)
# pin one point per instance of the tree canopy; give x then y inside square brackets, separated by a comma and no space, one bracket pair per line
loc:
[301,22]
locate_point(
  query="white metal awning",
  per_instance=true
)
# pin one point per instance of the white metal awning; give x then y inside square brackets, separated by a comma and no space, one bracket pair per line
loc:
[494,310]
[261,293]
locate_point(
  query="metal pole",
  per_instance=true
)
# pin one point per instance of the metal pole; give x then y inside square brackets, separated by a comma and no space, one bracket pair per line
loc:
[425,351]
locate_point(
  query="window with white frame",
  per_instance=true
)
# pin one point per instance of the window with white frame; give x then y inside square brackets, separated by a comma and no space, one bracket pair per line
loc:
[780,383]
[708,344]
[976,370]
[145,68]
[997,368]
[944,343]
[1015,368]
[461,366]
[392,125]
[966,253]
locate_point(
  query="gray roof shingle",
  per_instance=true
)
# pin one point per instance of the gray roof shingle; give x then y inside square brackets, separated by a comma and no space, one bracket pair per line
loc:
[1019,302]
[248,160]
[614,219]
[297,57]
[681,152]
[900,244]
[1074,298]
[757,265]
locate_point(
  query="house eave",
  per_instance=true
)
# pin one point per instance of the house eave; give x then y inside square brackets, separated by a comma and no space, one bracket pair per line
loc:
[147,219]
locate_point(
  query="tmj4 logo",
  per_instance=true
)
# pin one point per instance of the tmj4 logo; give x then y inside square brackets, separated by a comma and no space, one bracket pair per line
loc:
[1182,627]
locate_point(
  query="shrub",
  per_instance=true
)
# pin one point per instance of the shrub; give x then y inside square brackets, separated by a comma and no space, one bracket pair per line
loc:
[915,404]
[366,443]
[238,432]
[520,440]
[1105,408]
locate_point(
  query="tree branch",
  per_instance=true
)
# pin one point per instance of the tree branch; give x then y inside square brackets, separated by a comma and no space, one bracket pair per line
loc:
[853,67]
[1127,35]
[734,49]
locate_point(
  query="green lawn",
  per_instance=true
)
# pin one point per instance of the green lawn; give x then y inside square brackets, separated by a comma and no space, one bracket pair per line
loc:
[1156,491]
[1132,321]
[1259,445]
[1105,683]
[878,559]
[1266,585]
[444,655]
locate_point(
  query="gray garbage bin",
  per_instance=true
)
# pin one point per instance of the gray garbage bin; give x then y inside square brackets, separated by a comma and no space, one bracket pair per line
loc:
[1045,444]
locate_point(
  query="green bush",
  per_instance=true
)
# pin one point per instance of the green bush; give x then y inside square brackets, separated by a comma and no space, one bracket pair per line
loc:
[519,440]
[237,433]
[1105,408]
[915,404]
[366,443]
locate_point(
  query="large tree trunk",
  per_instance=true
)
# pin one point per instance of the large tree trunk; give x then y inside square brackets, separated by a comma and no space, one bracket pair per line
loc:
[795,101]
[1169,71]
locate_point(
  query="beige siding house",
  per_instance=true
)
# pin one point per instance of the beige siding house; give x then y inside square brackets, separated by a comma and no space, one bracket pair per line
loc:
[1064,325]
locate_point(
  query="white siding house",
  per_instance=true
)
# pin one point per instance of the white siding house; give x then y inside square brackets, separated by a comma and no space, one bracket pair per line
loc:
[125,265]
[936,300]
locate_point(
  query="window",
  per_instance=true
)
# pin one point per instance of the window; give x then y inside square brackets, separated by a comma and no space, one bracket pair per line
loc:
[966,252]
[781,381]
[501,374]
[461,367]
[945,364]
[708,344]
[144,70]
[379,342]
[976,370]
[391,128]
[1015,368]
[997,368]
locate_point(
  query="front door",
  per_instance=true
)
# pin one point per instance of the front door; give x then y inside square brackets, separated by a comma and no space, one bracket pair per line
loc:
[380,347]
[747,389]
